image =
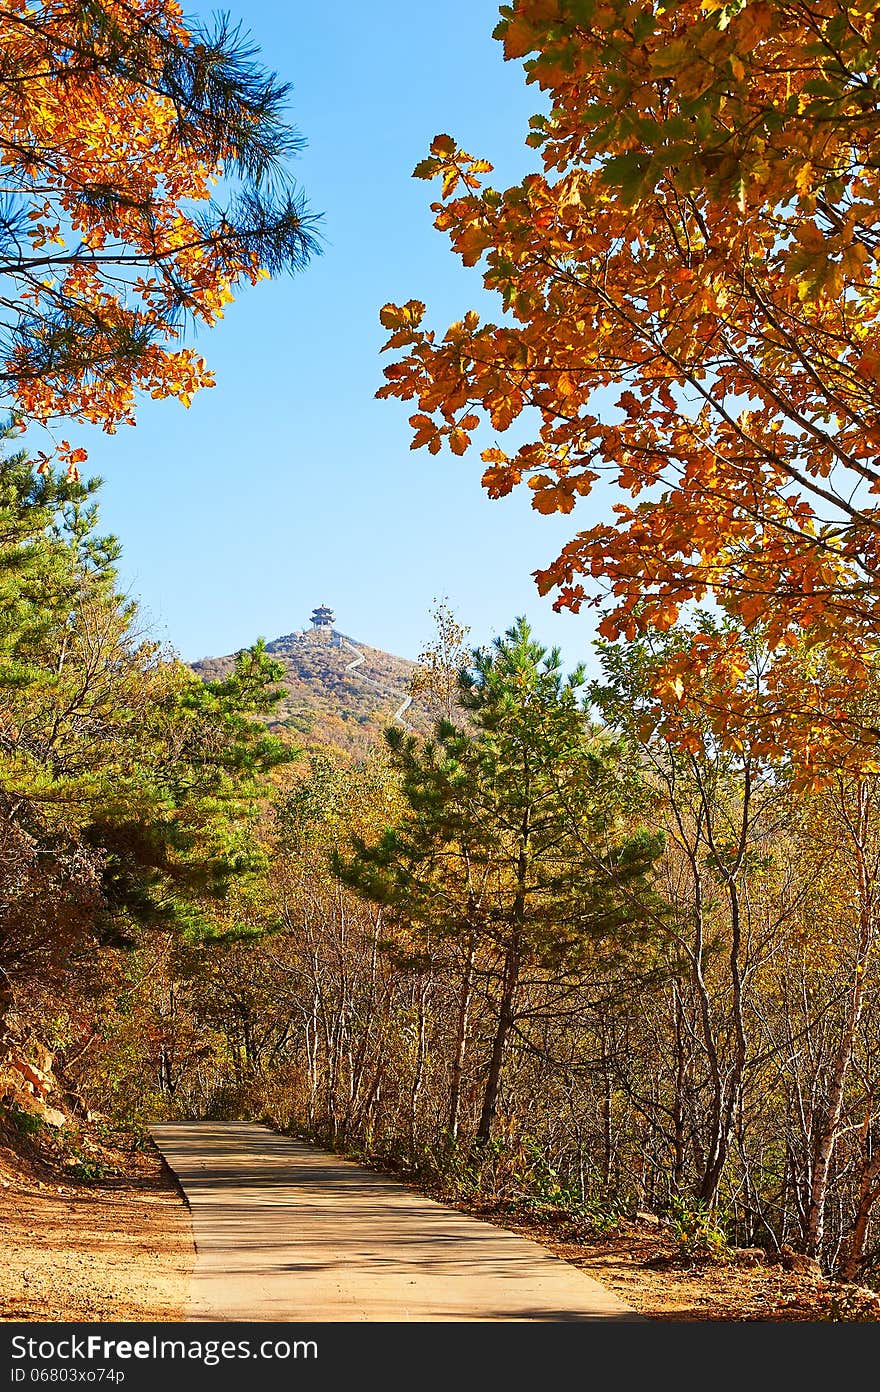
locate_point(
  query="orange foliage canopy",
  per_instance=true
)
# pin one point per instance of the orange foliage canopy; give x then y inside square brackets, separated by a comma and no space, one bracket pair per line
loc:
[116,124]
[690,295]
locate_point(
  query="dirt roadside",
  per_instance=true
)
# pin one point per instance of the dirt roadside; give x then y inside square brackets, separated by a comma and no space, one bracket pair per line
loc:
[642,1263]
[117,1246]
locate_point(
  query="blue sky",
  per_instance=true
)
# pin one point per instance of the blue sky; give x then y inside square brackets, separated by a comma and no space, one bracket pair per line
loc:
[288,484]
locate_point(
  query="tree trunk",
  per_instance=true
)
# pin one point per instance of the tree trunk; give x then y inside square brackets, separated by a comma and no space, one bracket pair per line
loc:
[507,1006]
[461,1036]
[506,1016]
[418,1081]
[869,1192]
[728,1097]
[827,1138]
[678,1108]
[605,1106]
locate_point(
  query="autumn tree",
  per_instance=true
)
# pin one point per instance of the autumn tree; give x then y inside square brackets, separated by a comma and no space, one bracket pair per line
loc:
[438,666]
[689,302]
[145,175]
[723,809]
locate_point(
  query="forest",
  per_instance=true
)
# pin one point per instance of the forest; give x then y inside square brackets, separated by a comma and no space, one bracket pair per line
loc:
[601,941]
[540,953]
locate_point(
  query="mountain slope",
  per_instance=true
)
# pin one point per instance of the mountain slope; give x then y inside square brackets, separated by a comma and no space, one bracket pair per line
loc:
[340,691]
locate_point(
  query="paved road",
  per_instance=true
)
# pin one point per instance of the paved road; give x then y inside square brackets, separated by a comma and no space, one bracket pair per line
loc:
[287,1232]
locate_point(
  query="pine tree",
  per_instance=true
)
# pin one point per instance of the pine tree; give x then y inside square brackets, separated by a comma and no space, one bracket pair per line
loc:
[518,843]
[129,790]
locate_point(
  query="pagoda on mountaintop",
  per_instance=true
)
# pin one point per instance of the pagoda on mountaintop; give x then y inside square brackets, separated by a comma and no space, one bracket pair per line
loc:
[322,621]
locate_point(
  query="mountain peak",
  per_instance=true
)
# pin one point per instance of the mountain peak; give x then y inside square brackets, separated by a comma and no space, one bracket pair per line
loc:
[340,691]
